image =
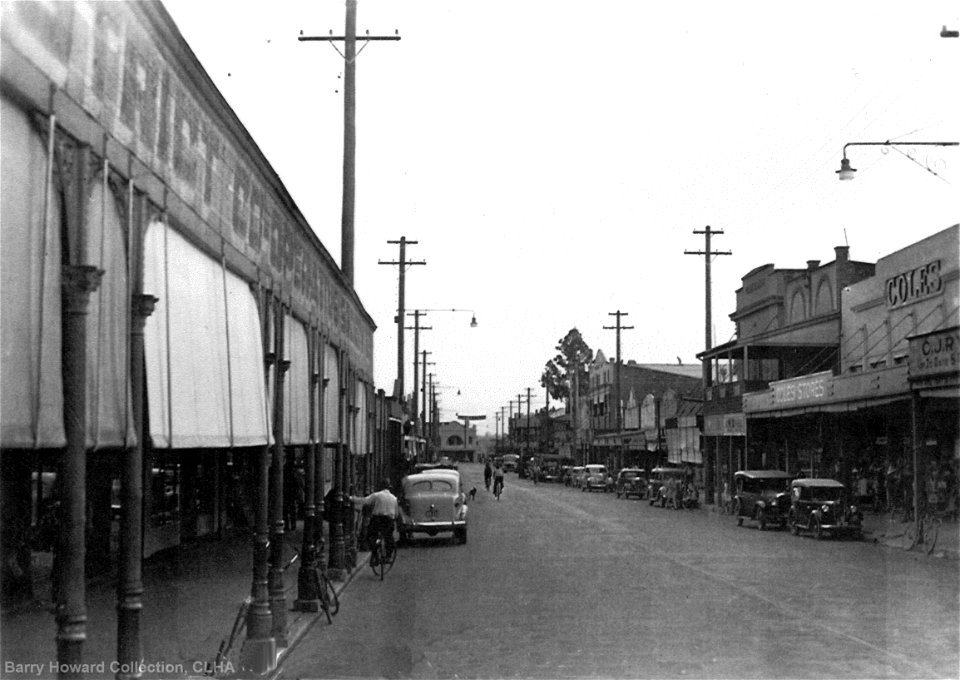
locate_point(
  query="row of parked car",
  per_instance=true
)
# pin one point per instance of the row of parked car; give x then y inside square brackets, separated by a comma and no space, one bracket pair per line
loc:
[770,498]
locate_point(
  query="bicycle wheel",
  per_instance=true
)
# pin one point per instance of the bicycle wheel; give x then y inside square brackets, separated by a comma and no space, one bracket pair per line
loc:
[329,594]
[382,567]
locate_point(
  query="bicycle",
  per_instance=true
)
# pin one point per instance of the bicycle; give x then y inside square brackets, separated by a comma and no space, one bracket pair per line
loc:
[382,559]
[498,488]
[329,601]
[926,533]
[226,645]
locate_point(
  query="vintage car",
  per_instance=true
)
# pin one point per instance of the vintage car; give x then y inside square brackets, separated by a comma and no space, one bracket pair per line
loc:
[510,462]
[761,495]
[431,502]
[631,482]
[822,506]
[660,481]
[594,477]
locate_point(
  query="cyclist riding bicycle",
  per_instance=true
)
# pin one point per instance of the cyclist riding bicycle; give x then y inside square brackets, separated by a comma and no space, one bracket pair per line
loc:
[487,474]
[384,515]
[498,480]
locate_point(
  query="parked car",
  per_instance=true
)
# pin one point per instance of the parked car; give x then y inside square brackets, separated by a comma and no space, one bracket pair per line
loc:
[431,502]
[660,483]
[632,482]
[823,506]
[594,477]
[761,495]
[576,476]
[510,462]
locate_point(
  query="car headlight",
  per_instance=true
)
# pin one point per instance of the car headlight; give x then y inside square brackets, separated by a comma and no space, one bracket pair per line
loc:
[825,509]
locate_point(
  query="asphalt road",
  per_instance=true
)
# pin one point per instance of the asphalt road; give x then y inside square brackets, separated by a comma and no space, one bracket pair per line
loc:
[555,583]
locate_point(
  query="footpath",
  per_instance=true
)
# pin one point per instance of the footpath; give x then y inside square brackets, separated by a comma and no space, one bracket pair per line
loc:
[191,597]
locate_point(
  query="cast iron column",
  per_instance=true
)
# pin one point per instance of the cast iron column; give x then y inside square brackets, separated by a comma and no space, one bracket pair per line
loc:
[278,602]
[79,281]
[130,576]
[307,596]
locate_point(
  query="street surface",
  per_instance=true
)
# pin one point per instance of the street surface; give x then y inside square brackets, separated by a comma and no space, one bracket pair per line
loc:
[556,583]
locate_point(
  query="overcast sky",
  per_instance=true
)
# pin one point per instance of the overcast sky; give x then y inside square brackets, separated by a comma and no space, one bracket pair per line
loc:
[552,159]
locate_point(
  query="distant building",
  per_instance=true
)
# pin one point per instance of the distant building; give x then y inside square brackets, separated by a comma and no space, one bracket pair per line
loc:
[458,442]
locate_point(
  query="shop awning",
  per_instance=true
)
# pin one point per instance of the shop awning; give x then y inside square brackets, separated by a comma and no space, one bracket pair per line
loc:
[205,376]
[296,384]
[31,392]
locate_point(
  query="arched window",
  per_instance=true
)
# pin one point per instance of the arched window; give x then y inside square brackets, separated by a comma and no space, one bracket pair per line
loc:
[454,440]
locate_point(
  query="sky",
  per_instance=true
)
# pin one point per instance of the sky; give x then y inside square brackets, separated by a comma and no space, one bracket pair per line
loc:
[552,159]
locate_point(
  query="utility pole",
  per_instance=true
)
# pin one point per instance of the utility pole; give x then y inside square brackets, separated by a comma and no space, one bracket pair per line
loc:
[416,314]
[426,412]
[526,442]
[707,253]
[618,328]
[403,264]
[349,54]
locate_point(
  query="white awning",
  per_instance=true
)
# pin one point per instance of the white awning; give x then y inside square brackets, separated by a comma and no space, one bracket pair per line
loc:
[31,393]
[205,376]
[331,395]
[296,384]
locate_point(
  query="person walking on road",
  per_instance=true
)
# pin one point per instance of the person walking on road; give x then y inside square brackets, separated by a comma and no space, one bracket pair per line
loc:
[487,474]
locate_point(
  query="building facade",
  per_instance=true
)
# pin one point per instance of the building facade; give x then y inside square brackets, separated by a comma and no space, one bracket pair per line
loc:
[176,340]
[787,325]
[887,412]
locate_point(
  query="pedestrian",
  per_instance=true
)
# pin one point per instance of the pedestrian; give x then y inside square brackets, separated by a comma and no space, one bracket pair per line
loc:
[487,475]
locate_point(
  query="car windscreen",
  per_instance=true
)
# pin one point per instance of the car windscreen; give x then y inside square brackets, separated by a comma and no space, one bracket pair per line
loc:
[428,485]
[629,475]
[774,484]
[826,493]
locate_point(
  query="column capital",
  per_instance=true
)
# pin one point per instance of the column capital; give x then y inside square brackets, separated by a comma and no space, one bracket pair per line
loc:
[143,305]
[78,282]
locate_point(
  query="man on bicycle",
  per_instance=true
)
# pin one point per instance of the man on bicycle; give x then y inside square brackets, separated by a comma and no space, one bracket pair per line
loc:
[384,514]
[497,480]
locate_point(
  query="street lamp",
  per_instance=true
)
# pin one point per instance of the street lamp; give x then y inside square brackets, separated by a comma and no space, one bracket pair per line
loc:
[846,172]
[416,328]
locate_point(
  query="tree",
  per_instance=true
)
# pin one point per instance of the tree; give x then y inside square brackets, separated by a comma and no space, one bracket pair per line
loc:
[573,358]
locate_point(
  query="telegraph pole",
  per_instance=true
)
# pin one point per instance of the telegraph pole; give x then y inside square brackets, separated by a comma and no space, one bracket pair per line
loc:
[526,442]
[707,253]
[618,328]
[349,54]
[402,263]
[426,411]
[416,314]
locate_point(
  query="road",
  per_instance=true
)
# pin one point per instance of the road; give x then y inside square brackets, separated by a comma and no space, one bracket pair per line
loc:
[555,583]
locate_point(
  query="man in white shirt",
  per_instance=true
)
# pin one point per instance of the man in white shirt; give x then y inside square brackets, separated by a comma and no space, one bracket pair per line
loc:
[384,514]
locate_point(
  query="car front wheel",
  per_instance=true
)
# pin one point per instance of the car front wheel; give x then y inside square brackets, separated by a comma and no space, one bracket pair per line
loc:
[736,511]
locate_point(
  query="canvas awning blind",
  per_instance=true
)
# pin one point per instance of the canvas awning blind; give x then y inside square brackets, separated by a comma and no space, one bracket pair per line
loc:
[331,395]
[31,395]
[205,378]
[109,417]
[296,385]
[360,422]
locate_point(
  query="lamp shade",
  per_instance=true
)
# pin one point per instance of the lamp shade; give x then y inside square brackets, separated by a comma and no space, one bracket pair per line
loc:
[845,172]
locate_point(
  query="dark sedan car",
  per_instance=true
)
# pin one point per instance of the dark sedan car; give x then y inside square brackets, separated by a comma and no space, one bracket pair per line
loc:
[761,495]
[631,482]
[822,506]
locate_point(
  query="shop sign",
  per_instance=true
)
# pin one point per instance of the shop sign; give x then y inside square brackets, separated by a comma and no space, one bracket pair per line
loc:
[802,390]
[916,284]
[725,425]
[934,353]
